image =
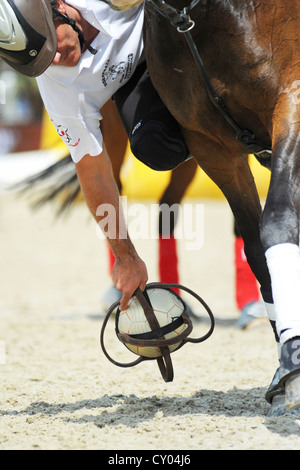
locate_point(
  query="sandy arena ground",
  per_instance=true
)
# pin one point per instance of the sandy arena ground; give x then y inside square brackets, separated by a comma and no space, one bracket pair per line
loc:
[58,391]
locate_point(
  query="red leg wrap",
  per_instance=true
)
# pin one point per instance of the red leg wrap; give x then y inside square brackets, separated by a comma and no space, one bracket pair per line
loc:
[246,289]
[168,261]
[111,259]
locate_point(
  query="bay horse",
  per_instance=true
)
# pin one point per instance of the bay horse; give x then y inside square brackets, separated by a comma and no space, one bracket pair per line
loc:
[229,72]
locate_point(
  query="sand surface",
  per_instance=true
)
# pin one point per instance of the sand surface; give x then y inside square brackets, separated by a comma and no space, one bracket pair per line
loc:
[58,391]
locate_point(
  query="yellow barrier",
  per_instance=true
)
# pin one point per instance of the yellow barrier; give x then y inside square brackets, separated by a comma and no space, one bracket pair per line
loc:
[140,182]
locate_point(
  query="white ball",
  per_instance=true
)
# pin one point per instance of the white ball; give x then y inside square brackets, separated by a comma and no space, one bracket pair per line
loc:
[167,308]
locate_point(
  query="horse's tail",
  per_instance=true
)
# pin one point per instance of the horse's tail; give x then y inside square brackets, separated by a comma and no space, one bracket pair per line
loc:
[56,183]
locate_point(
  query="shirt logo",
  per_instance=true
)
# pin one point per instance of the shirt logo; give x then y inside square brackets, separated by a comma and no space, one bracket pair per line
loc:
[63,133]
[121,71]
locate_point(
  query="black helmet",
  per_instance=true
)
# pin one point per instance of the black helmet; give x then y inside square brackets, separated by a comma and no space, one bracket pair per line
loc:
[28,40]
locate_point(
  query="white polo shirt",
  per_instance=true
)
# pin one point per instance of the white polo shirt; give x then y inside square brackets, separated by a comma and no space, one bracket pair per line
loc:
[73,96]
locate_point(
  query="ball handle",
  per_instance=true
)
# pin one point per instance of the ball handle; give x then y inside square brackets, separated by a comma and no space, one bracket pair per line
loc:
[164,362]
[116,363]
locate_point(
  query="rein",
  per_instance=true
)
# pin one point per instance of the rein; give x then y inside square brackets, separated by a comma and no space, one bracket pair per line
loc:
[184,24]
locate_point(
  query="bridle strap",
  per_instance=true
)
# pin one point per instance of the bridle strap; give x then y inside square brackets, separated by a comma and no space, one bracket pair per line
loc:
[179,19]
[182,21]
[70,21]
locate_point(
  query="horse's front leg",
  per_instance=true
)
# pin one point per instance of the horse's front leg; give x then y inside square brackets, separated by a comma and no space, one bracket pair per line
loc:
[280,237]
[233,176]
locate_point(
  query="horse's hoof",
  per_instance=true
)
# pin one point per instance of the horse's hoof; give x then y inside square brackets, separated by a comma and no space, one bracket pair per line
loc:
[280,399]
[289,375]
[290,363]
[292,392]
[274,388]
[252,315]
[277,406]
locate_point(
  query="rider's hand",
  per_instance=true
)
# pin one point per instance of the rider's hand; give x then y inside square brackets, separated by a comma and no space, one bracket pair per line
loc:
[128,274]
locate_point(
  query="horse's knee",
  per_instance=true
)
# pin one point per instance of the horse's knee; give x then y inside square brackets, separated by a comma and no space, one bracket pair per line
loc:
[279,225]
[158,147]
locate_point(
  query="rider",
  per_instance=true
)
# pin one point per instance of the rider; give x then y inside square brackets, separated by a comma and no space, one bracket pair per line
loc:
[83,52]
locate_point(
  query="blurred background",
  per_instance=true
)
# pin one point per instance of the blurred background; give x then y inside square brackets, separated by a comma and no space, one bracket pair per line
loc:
[21,112]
